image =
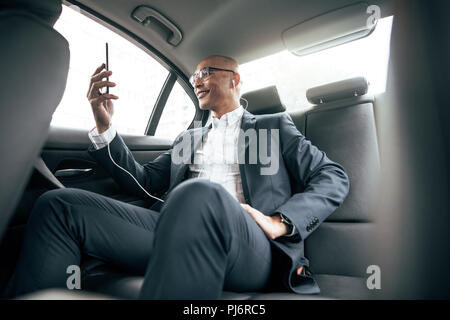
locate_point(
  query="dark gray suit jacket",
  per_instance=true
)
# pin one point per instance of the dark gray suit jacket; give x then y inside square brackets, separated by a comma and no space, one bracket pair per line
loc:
[307,187]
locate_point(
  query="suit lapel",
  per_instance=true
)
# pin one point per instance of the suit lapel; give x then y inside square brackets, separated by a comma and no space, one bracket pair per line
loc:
[248,123]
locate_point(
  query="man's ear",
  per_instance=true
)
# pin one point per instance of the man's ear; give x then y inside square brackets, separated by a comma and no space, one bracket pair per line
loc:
[237,78]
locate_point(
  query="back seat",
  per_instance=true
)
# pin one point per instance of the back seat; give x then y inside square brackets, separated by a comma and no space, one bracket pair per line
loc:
[342,124]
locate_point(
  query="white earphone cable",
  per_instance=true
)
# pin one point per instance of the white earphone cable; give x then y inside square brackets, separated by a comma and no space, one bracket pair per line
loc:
[151,196]
[246,103]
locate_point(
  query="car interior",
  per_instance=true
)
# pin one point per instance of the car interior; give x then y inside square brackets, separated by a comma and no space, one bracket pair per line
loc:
[394,145]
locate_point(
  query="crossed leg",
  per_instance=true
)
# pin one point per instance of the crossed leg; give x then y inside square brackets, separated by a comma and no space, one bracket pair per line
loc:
[205,242]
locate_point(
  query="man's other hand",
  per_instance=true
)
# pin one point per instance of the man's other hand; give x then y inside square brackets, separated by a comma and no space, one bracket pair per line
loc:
[102,105]
[272,226]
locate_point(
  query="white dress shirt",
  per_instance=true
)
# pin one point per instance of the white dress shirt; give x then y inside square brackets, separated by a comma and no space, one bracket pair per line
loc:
[217,158]
[100,140]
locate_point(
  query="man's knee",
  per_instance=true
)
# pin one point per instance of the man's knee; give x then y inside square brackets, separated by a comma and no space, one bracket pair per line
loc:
[196,201]
[196,191]
[54,196]
[50,203]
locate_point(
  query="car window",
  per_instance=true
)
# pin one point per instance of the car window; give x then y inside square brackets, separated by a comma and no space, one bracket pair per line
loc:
[138,76]
[177,115]
[294,75]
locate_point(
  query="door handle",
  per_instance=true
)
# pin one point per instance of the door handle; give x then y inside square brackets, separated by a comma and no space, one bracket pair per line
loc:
[70,173]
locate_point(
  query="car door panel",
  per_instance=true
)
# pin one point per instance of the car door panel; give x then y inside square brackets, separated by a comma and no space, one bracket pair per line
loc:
[65,154]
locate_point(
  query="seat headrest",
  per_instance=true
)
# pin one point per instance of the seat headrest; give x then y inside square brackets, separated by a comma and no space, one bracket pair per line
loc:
[47,10]
[338,90]
[264,101]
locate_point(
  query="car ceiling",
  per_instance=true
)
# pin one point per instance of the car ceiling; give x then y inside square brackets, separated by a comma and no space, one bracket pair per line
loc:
[243,29]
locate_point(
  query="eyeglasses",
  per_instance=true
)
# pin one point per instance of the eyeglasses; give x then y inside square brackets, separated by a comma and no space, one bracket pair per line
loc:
[204,74]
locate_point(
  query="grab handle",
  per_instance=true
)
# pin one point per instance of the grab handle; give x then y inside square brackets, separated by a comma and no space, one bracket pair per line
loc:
[145,14]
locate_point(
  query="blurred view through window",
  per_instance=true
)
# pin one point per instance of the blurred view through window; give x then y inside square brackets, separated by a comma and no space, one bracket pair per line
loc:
[138,76]
[294,75]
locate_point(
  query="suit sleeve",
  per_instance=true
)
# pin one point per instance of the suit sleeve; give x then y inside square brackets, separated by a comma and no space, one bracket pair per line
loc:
[324,183]
[153,176]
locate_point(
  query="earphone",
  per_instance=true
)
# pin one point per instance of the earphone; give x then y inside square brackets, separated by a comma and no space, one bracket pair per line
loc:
[234,86]
[156,198]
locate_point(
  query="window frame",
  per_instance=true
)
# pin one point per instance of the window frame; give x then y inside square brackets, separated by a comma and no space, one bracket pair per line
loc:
[174,75]
[160,104]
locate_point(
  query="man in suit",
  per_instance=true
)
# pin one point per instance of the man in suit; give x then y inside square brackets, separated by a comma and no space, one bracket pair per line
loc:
[226,223]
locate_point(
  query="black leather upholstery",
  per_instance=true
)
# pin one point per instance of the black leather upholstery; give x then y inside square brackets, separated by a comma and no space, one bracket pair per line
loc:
[345,129]
[332,287]
[348,88]
[34,62]
[264,101]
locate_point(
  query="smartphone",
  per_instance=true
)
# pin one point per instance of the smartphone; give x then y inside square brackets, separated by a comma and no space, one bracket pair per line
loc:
[107,64]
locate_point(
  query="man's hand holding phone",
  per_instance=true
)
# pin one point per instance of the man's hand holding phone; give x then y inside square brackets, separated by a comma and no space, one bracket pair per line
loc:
[101,103]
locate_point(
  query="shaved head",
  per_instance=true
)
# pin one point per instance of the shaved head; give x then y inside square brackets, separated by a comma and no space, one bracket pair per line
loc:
[221,62]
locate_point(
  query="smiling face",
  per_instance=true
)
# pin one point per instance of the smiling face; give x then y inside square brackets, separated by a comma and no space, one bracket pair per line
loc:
[216,92]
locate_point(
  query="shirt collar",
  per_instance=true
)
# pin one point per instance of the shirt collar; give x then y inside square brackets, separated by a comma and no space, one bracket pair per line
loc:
[228,119]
